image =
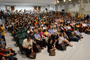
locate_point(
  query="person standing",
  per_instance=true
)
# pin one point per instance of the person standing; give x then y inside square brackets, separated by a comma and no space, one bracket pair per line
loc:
[2,31]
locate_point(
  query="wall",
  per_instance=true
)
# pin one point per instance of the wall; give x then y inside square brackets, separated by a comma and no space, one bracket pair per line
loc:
[2,7]
[30,1]
[61,7]
[51,7]
[87,7]
[24,7]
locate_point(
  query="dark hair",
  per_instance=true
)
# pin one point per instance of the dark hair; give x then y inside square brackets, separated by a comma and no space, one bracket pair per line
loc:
[0,46]
[60,34]
[49,39]
[30,32]
[28,38]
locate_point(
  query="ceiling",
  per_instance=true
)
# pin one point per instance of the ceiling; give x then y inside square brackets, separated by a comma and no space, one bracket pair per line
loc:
[35,2]
[28,2]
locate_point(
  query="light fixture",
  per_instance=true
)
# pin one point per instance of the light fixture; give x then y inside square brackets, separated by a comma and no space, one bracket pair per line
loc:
[69,0]
[57,1]
[79,1]
[64,0]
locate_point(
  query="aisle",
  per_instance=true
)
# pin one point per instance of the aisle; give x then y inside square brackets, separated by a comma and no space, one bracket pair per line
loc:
[79,51]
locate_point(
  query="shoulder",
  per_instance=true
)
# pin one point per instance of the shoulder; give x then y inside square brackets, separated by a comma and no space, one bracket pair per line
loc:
[2,27]
[24,40]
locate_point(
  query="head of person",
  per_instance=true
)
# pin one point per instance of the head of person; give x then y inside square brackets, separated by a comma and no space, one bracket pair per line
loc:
[50,40]
[68,25]
[29,28]
[36,31]
[28,39]
[41,30]
[1,49]
[64,33]
[45,30]
[31,33]
[0,26]
[77,29]
[50,27]
[61,34]
[73,31]
[54,27]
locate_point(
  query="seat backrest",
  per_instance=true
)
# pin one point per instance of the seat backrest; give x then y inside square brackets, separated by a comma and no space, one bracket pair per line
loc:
[21,39]
[19,32]
[21,29]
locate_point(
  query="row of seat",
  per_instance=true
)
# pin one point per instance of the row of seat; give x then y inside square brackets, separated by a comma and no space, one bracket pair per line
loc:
[19,36]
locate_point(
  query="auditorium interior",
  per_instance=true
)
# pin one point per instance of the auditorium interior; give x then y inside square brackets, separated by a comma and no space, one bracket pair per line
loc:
[44,29]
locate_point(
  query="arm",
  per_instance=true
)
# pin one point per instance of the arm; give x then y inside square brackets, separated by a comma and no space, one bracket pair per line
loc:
[24,45]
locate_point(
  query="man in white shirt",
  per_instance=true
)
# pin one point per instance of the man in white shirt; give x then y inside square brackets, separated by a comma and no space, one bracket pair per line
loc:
[27,45]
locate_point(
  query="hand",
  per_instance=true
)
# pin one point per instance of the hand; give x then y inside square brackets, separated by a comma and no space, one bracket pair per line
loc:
[0,39]
[32,50]
[41,39]
[35,42]
[5,31]
[28,48]
[11,54]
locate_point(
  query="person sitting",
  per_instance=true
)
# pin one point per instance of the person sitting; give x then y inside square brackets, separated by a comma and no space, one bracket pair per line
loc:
[34,41]
[58,29]
[51,30]
[1,42]
[2,31]
[29,30]
[39,40]
[69,27]
[62,28]
[78,34]
[65,36]
[62,39]
[42,35]
[52,34]
[44,27]
[2,58]
[47,34]
[73,36]
[55,30]
[7,54]
[26,27]
[87,31]
[28,46]
[50,45]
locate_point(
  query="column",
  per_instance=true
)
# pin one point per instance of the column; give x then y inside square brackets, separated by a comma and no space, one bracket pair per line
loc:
[67,6]
[48,7]
[56,6]
[82,6]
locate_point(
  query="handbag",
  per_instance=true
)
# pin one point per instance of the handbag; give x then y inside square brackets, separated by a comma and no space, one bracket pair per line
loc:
[32,55]
[61,46]
[38,48]
[52,53]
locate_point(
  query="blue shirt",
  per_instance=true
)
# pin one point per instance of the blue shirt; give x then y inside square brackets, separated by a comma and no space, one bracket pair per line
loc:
[37,36]
[0,36]
[88,24]
[51,31]
[77,32]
